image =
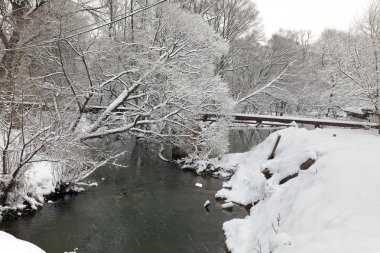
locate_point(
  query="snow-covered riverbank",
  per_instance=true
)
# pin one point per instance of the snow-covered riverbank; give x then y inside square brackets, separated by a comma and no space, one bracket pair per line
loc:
[44,176]
[10,244]
[332,206]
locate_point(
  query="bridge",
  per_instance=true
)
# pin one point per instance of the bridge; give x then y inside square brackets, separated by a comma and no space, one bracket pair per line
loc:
[257,119]
[287,120]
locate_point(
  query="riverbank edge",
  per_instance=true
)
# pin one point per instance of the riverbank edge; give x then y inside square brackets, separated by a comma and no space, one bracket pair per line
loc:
[274,176]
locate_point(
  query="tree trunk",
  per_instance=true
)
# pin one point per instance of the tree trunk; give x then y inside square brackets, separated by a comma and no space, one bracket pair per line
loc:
[5,162]
[132,24]
[10,61]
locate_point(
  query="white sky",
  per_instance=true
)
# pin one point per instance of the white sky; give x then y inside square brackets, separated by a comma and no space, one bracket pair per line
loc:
[315,15]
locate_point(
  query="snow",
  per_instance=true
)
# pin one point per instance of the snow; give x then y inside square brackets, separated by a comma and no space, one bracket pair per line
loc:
[32,201]
[75,189]
[198,185]
[219,167]
[227,205]
[207,203]
[74,251]
[357,110]
[93,184]
[10,244]
[39,181]
[332,206]
[83,125]
[41,178]
[226,185]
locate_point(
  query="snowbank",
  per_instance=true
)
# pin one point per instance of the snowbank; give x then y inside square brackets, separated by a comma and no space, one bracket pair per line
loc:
[332,206]
[41,180]
[10,244]
[38,181]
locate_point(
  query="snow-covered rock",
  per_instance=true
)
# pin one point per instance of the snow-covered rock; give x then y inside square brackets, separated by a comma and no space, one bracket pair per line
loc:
[222,167]
[227,205]
[10,244]
[333,206]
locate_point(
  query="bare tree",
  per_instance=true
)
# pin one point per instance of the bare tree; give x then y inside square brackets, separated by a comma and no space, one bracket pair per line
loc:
[355,57]
[230,18]
[257,73]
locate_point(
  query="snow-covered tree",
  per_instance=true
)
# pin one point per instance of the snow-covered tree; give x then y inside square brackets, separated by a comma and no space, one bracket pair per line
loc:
[162,81]
[229,18]
[257,72]
[83,59]
[355,58]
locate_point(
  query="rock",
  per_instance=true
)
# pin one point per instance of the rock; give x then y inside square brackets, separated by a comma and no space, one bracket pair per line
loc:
[307,164]
[267,173]
[286,179]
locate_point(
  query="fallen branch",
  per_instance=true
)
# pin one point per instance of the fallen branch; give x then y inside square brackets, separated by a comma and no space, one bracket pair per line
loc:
[272,154]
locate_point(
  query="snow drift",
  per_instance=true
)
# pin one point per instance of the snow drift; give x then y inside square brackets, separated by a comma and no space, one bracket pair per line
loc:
[10,244]
[332,206]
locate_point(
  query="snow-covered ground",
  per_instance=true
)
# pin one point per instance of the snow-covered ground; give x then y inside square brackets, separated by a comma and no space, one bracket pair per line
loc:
[39,181]
[333,206]
[40,178]
[10,244]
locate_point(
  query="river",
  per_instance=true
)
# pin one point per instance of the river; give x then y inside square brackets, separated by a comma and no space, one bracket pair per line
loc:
[148,207]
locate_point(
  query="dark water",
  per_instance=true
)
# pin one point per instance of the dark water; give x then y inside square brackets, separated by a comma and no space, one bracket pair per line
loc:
[243,139]
[149,207]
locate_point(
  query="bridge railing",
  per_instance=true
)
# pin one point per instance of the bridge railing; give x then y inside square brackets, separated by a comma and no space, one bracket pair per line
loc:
[269,120]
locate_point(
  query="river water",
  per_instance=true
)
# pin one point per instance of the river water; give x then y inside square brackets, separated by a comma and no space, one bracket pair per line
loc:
[148,207]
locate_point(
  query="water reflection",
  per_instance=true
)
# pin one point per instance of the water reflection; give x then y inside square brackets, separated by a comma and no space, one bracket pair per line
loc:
[243,139]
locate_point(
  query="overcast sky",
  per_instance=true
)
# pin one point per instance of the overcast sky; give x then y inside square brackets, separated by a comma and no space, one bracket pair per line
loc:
[315,15]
